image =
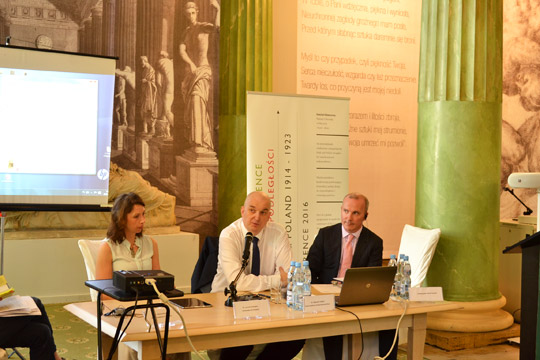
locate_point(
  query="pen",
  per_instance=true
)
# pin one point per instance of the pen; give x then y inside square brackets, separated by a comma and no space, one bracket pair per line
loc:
[264,295]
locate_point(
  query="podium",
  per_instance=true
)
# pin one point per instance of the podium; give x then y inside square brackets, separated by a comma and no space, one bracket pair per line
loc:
[530,267]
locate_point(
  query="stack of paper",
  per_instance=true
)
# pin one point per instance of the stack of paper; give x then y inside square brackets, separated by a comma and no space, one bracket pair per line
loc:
[18,306]
[5,290]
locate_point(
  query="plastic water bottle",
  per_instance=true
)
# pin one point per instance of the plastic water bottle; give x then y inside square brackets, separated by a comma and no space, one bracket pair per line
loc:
[393,262]
[406,281]
[298,288]
[307,278]
[290,284]
[399,276]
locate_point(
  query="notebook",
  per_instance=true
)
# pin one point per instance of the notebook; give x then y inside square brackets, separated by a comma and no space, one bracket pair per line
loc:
[366,285]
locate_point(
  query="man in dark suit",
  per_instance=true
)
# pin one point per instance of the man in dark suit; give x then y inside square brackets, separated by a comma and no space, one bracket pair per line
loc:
[341,246]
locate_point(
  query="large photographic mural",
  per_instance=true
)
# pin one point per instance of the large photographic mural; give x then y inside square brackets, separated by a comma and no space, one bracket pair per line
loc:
[521,101]
[166,91]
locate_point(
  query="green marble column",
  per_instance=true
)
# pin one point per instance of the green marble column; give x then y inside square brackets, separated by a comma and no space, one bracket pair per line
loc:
[459,143]
[245,65]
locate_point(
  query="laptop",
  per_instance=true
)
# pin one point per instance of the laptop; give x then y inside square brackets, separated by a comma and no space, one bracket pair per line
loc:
[366,285]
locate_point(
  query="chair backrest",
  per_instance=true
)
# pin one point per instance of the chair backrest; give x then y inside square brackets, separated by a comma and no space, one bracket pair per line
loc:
[419,244]
[206,267]
[89,250]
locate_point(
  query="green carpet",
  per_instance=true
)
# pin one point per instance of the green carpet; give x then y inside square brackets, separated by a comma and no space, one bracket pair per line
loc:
[76,340]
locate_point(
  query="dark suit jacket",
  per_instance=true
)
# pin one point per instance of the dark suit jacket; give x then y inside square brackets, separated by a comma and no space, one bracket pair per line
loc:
[206,267]
[325,253]
[324,257]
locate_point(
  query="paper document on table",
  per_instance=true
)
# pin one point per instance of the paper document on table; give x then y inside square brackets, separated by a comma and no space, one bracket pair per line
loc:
[18,306]
[326,288]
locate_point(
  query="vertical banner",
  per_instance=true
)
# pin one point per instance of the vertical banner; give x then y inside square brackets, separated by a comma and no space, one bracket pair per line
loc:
[368,51]
[298,153]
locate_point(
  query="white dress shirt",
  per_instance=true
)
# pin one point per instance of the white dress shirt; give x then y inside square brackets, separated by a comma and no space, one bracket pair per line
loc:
[274,248]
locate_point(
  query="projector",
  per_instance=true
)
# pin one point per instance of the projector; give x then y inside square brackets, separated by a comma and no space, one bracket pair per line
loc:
[524,180]
[133,281]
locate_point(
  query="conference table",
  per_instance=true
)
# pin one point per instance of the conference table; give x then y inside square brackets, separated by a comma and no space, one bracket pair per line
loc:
[215,327]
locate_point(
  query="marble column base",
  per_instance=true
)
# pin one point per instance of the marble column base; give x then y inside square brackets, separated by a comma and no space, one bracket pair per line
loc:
[143,151]
[161,160]
[120,137]
[195,182]
[129,144]
[479,316]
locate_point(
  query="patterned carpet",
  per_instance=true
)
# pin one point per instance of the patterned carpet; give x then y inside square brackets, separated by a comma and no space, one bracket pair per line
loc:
[76,340]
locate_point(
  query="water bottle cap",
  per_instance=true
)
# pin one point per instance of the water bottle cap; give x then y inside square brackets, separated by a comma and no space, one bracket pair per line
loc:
[305,263]
[406,257]
[297,264]
[393,256]
[401,256]
[293,262]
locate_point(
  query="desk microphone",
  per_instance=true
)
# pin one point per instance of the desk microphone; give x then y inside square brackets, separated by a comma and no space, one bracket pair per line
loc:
[249,239]
[232,287]
[529,210]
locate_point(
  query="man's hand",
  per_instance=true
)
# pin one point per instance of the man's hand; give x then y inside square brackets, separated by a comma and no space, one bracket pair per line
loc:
[283,276]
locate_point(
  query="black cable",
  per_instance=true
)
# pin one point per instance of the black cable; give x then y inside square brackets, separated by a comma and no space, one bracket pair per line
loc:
[361,331]
[130,319]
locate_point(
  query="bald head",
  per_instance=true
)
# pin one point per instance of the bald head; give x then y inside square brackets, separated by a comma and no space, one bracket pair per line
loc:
[256,211]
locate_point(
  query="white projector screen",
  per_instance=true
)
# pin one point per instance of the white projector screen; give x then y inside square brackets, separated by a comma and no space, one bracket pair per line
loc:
[55,128]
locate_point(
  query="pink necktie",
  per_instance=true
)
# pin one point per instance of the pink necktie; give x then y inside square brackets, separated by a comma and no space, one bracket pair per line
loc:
[347,256]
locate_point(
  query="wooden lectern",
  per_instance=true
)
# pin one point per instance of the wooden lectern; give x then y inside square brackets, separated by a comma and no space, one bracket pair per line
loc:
[530,267]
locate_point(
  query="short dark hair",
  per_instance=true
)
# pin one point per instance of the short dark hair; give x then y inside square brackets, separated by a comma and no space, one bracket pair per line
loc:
[123,205]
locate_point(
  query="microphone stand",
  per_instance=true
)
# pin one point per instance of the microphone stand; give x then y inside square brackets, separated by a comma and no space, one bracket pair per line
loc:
[232,287]
[529,210]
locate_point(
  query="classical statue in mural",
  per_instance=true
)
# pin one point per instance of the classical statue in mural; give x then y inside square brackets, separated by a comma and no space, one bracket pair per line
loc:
[165,82]
[128,76]
[148,104]
[197,83]
[120,102]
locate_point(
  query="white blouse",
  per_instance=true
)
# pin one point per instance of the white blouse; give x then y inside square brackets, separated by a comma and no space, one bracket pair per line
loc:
[121,254]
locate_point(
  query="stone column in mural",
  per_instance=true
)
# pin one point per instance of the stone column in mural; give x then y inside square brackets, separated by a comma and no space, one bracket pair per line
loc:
[97,30]
[84,37]
[198,161]
[458,161]
[107,31]
[124,44]
[4,25]
[246,65]
[148,47]
[125,33]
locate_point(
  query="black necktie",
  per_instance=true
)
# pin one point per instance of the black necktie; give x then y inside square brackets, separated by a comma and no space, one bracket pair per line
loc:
[256,258]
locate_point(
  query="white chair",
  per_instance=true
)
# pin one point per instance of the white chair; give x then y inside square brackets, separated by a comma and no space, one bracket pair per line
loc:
[89,250]
[419,244]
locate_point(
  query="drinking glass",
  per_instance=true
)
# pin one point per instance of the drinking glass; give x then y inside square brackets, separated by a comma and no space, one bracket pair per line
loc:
[275,291]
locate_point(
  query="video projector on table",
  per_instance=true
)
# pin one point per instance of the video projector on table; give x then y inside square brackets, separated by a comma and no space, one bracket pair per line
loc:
[132,281]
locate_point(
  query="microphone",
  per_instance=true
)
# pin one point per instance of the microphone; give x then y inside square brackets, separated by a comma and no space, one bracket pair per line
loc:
[232,287]
[249,239]
[529,210]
